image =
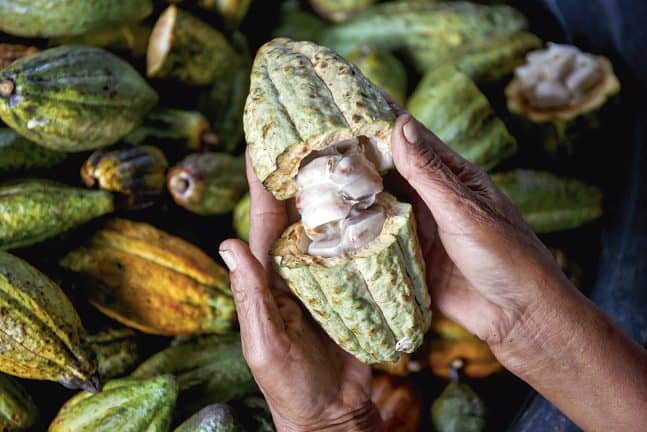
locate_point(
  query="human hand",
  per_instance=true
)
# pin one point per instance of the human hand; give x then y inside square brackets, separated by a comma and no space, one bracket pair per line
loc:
[310,384]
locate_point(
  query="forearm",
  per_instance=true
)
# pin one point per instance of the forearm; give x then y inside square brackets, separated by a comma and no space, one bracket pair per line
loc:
[574,356]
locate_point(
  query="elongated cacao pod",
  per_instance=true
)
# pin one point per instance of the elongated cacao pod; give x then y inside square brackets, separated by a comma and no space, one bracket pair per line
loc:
[73,98]
[116,351]
[41,334]
[17,409]
[152,281]
[19,154]
[212,418]
[34,210]
[208,369]
[128,405]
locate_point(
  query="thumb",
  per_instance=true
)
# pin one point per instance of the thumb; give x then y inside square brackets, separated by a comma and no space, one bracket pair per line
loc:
[261,325]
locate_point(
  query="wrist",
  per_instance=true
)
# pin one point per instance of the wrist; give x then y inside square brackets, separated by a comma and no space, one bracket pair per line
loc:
[364,419]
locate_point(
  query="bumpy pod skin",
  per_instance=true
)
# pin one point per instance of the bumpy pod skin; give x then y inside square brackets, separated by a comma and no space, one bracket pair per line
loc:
[116,351]
[212,418]
[41,334]
[184,48]
[152,281]
[560,129]
[458,409]
[241,217]
[373,301]
[447,102]
[9,53]
[127,405]
[383,70]
[430,33]
[73,98]
[129,39]
[208,369]
[336,11]
[46,18]
[208,183]
[304,97]
[18,154]
[17,409]
[398,402]
[139,173]
[549,203]
[35,210]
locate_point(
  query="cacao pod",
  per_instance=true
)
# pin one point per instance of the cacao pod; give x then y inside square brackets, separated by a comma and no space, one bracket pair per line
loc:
[550,203]
[303,98]
[125,405]
[255,414]
[399,403]
[241,218]
[73,98]
[35,210]
[139,173]
[19,154]
[212,418]
[129,39]
[116,351]
[208,369]
[41,334]
[447,102]
[208,183]
[153,281]
[458,409]
[336,11]
[184,48]
[9,53]
[383,70]
[17,409]
[46,18]
[298,24]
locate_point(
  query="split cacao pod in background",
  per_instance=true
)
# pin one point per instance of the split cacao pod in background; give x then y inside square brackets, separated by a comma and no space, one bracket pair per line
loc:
[152,281]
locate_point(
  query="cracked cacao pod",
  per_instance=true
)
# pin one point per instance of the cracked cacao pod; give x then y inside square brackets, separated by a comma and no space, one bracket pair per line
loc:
[116,351]
[447,102]
[17,409]
[212,418]
[12,52]
[41,334]
[36,210]
[152,281]
[549,203]
[73,98]
[208,369]
[303,98]
[127,405]
[47,18]
[18,154]
[398,402]
[383,70]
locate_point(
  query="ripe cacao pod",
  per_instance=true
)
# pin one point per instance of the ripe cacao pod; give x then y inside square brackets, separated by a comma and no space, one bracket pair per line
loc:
[398,402]
[153,281]
[41,334]
[17,409]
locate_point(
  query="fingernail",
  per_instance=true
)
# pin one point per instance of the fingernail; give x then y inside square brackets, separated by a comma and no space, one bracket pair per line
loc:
[228,258]
[410,131]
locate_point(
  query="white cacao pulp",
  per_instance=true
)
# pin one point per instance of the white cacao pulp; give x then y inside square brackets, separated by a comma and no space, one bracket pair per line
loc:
[336,194]
[558,77]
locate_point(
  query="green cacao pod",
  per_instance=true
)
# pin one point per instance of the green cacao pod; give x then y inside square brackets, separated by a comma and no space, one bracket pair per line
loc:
[35,210]
[184,48]
[383,70]
[212,418]
[549,203]
[139,173]
[17,409]
[116,351]
[9,53]
[431,33]
[130,39]
[18,154]
[241,217]
[255,414]
[298,24]
[208,369]
[208,183]
[335,10]
[73,98]
[41,334]
[458,409]
[189,128]
[304,98]
[125,405]
[47,18]
[448,103]
[152,281]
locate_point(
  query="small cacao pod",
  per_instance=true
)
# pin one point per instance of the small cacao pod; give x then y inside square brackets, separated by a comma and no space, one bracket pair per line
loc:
[212,418]
[398,402]
[116,351]
[208,183]
[40,332]
[17,409]
[152,281]
[458,408]
[127,404]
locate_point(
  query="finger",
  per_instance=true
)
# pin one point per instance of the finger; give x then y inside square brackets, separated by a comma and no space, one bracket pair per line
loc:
[267,217]
[262,329]
[395,107]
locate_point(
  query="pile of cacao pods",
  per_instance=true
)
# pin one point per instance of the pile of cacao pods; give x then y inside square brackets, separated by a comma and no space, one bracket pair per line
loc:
[122,168]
